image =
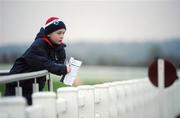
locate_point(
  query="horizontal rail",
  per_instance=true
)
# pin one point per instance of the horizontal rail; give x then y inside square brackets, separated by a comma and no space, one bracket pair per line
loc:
[4,72]
[22,76]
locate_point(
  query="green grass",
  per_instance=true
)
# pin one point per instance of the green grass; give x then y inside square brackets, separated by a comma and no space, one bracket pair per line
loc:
[93,82]
[56,85]
[2,89]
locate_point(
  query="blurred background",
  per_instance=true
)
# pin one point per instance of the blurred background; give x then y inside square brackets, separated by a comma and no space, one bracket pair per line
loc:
[115,39]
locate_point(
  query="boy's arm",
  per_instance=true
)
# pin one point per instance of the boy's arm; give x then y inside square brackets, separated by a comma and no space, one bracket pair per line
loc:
[60,54]
[37,58]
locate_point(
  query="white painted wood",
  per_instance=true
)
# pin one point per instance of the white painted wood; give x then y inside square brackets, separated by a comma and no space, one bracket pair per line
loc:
[13,107]
[87,109]
[102,101]
[70,94]
[48,102]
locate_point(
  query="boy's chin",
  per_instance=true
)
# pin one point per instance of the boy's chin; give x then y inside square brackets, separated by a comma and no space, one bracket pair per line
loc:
[57,43]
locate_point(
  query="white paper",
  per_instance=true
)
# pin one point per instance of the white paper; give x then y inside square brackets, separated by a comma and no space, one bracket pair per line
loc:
[70,77]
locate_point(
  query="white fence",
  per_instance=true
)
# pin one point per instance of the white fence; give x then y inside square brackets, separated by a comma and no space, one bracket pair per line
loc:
[123,99]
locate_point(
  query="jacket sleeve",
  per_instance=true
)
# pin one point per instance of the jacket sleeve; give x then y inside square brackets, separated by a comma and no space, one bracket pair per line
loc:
[61,54]
[37,58]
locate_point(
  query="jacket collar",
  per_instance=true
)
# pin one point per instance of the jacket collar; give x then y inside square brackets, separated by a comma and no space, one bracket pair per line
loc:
[47,41]
[50,43]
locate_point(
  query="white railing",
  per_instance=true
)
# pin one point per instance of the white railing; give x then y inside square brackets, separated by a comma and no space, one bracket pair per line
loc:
[123,99]
[25,76]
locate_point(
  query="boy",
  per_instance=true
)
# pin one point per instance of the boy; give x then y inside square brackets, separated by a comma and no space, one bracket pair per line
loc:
[46,52]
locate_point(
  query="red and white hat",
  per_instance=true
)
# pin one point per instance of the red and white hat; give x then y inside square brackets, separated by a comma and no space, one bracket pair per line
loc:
[53,24]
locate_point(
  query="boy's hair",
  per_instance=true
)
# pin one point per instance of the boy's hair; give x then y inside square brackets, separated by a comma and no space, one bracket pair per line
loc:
[53,24]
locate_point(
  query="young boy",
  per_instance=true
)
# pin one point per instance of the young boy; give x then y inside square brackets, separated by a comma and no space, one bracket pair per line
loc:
[46,52]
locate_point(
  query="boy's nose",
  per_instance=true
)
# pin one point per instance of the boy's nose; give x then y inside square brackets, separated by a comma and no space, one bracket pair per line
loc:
[61,37]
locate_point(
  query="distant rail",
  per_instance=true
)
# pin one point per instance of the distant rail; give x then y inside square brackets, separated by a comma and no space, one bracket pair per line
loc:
[21,76]
[4,72]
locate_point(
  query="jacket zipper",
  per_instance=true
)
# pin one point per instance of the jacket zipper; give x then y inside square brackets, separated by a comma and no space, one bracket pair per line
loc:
[55,56]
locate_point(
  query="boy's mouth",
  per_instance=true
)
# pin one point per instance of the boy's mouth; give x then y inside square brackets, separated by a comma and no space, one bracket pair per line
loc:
[60,41]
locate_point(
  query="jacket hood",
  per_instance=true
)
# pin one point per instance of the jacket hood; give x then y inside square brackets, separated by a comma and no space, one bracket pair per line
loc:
[41,34]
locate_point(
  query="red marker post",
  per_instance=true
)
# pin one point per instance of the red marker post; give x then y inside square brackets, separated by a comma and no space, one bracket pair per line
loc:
[162,66]
[162,74]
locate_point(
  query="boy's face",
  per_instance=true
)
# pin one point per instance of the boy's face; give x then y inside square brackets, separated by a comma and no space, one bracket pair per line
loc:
[57,36]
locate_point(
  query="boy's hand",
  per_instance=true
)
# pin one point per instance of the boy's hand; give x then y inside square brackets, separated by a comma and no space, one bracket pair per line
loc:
[68,68]
[77,82]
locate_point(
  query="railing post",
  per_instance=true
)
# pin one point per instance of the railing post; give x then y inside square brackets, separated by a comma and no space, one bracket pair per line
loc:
[18,90]
[35,86]
[101,101]
[34,111]
[13,107]
[87,102]
[61,105]
[161,85]
[50,83]
[112,94]
[70,95]
[48,102]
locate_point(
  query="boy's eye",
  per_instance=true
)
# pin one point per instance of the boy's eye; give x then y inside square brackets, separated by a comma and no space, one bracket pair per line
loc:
[60,33]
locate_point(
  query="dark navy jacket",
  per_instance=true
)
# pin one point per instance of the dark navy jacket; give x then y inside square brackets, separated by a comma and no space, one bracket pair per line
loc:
[39,56]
